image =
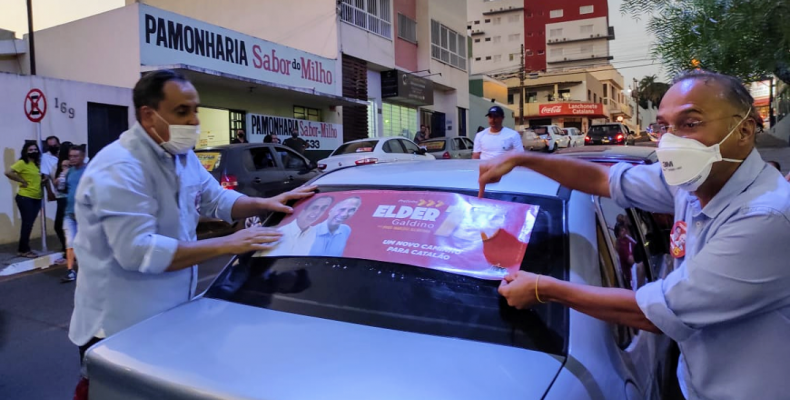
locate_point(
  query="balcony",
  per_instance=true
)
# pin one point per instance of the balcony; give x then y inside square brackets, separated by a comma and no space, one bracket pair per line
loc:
[503,10]
[476,32]
[592,57]
[616,108]
[595,36]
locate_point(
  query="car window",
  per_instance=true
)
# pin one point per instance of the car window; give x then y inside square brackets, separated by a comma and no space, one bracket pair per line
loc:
[393,146]
[365,146]
[469,144]
[459,144]
[622,231]
[291,160]
[398,296]
[210,160]
[541,130]
[597,131]
[609,278]
[655,230]
[434,145]
[262,158]
[410,147]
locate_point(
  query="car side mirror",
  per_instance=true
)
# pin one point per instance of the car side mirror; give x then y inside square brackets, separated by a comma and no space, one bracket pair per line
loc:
[421,151]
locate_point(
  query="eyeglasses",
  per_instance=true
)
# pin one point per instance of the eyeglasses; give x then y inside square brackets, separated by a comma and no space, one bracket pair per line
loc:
[690,126]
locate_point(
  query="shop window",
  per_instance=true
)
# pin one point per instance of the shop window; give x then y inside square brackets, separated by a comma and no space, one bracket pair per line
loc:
[407,28]
[371,15]
[310,114]
[399,121]
[447,46]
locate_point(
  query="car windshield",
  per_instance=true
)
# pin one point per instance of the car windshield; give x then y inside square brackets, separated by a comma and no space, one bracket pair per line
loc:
[434,145]
[603,130]
[366,146]
[209,159]
[542,130]
[391,274]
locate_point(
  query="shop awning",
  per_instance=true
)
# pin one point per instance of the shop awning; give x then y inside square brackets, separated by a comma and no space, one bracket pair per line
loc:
[202,75]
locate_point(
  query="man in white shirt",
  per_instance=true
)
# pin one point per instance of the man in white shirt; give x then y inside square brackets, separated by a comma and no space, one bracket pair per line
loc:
[299,234]
[496,140]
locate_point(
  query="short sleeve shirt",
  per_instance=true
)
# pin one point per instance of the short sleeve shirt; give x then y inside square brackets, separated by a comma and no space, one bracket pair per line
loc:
[491,145]
[31,173]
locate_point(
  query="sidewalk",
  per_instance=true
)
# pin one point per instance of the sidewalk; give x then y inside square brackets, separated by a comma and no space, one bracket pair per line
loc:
[10,264]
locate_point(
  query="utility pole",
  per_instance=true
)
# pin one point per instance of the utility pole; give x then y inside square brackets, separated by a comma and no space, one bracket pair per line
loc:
[521,89]
[636,101]
[31,43]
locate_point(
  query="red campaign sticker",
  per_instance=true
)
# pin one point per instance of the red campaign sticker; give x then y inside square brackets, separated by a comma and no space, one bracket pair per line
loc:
[459,234]
[677,239]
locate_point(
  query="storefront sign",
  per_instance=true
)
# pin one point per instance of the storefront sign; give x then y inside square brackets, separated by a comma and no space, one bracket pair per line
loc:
[399,86]
[569,109]
[459,234]
[167,38]
[318,135]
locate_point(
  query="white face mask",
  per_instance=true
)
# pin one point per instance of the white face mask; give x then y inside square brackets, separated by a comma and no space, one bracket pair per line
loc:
[182,137]
[686,162]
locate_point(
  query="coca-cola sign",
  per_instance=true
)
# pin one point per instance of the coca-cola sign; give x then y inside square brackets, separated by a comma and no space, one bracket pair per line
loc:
[572,109]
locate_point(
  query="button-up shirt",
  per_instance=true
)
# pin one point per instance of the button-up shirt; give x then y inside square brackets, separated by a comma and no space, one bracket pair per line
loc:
[294,242]
[328,243]
[134,203]
[727,303]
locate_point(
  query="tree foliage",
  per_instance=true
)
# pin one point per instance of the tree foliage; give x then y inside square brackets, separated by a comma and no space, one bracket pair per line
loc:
[650,89]
[749,39]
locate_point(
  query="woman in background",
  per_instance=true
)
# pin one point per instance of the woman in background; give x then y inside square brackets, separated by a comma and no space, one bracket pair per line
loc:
[27,172]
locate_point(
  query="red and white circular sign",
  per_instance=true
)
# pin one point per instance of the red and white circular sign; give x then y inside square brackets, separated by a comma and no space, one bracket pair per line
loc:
[35,105]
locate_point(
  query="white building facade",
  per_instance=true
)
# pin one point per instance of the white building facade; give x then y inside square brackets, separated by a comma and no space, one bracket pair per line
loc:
[497,32]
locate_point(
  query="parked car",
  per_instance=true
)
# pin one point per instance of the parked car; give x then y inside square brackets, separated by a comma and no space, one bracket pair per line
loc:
[449,148]
[533,142]
[374,151]
[554,136]
[576,135]
[304,327]
[614,133]
[255,169]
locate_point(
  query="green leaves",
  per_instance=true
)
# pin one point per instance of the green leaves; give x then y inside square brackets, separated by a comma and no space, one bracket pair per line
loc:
[745,38]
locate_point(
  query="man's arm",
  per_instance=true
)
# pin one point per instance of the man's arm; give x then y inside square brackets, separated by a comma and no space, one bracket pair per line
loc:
[573,173]
[478,147]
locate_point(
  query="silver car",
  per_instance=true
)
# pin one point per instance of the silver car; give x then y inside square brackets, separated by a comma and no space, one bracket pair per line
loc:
[533,142]
[449,148]
[341,328]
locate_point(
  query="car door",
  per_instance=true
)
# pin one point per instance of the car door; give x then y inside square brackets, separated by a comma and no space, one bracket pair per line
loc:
[564,140]
[296,169]
[644,353]
[393,151]
[461,150]
[264,176]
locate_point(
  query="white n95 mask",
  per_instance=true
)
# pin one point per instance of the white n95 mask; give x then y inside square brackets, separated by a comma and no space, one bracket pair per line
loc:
[686,162]
[182,137]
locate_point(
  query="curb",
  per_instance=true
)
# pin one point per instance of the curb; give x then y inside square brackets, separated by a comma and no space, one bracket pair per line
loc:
[42,262]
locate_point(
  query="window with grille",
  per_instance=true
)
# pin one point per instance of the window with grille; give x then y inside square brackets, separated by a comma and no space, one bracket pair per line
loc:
[514,37]
[586,9]
[557,32]
[310,114]
[447,46]
[514,18]
[586,29]
[371,15]
[556,13]
[399,121]
[407,29]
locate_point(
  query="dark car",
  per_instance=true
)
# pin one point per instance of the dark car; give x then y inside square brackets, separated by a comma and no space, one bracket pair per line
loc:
[255,169]
[609,134]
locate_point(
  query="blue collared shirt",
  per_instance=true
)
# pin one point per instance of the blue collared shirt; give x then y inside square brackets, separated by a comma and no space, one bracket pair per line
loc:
[134,203]
[727,303]
[330,244]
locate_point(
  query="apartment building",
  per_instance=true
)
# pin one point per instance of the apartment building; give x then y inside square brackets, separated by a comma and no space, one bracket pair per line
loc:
[496,29]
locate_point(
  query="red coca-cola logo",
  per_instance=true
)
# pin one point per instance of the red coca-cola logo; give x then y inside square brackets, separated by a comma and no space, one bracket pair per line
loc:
[551,109]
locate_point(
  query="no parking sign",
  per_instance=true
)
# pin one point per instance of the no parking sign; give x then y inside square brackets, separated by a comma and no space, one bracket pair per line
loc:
[35,105]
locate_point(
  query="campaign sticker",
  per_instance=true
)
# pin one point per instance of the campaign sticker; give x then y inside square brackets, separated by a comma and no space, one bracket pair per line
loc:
[677,239]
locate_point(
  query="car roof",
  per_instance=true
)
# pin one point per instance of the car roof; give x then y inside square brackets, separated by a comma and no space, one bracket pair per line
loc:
[613,153]
[449,174]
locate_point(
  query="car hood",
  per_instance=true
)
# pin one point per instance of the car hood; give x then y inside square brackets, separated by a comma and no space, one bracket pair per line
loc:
[212,349]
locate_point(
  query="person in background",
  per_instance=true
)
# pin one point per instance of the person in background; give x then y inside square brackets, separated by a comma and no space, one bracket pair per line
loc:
[497,139]
[268,138]
[775,165]
[421,135]
[50,163]
[68,184]
[240,138]
[27,172]
[295,142]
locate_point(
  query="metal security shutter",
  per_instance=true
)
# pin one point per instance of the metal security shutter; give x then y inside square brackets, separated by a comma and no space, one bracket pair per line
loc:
[355,86]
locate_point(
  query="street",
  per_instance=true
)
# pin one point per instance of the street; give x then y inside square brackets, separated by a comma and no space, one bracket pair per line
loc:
[39,361]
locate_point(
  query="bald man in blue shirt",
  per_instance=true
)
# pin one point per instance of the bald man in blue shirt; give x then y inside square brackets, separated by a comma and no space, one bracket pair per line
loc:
[727,303]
